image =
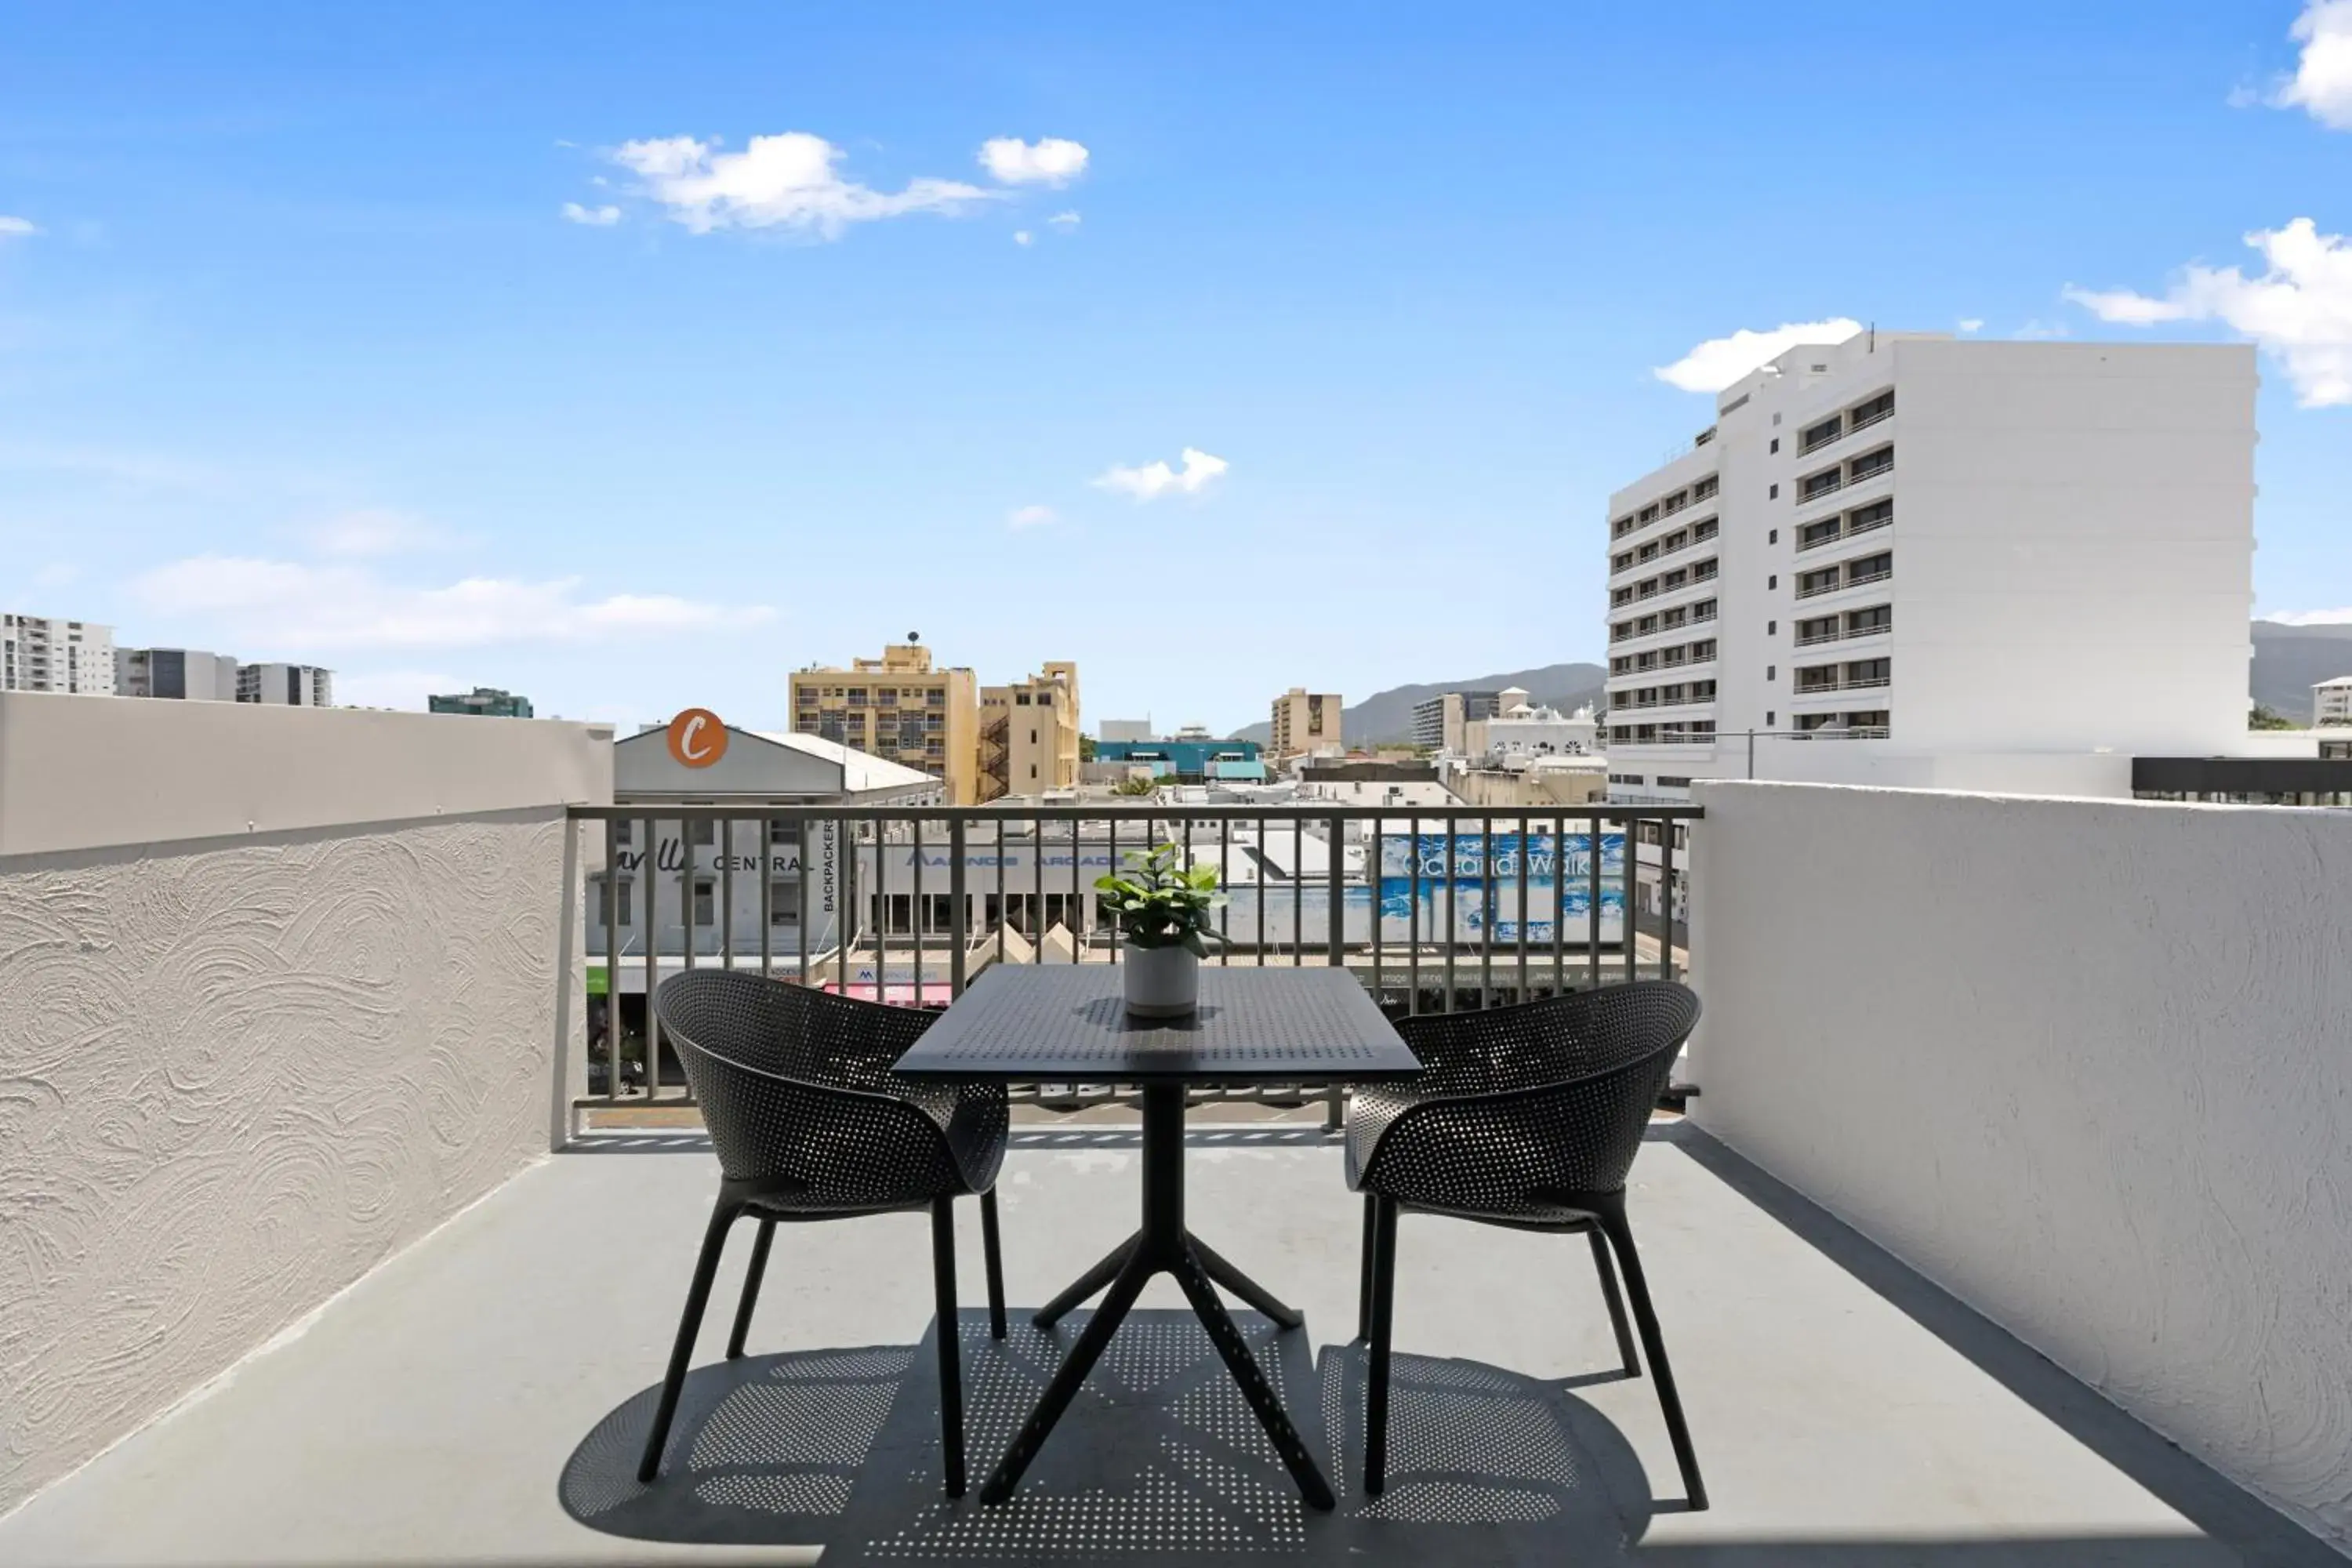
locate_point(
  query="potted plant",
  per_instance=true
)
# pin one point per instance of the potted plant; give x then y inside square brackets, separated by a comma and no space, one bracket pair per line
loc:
[1162,913]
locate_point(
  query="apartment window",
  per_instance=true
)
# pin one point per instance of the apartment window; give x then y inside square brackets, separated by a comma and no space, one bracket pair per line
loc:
[1620,596]
[1877,514]
[1771,628]
[1771,672]
[703,834]
[1776,443]
[1020,700]
[1705,488]
[1821,532]
[784,904]
[1871,467]
[1773,493]
[1770,718]
[1622,527]
[1649,513]
[1876,409]
[1622,563]
[783,832]
[1706,530]
[1703,571]
[1702,651]
[1702,690]
[1623,778]
[1865,672]
[1864,623]
[1819,677]
[1821,581]
[1649,552]
[705,902]
[1823,628]
[606,914]
[1773,580]
[1869,568]
[1820,434]
[623,831]
[1772,537]
[1819,484]
[1669,781]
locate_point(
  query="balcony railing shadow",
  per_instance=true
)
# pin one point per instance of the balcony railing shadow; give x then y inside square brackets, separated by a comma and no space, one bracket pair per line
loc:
[1160,1458]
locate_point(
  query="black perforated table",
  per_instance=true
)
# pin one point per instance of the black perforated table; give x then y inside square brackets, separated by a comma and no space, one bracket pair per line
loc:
[1066,1024]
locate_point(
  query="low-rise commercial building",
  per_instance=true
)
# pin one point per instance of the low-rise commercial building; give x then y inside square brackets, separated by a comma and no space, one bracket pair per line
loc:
[485,701]
[1186,760]
[1520,731]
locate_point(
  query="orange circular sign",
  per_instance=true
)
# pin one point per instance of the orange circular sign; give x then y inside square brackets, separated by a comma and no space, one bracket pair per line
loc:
[697,738]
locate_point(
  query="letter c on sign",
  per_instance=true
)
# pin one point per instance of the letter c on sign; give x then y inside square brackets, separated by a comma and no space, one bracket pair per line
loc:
[697,738]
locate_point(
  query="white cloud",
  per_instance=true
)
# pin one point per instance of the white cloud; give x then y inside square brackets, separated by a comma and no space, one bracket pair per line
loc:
[1028,517]
[377,530]
[1154,480]
[292,605]
[1021,237]
[788,181]
[2299,310]
[1718,362]
[2313,617]
[1065,220]
[595,218]
[2322,83]
[2041,332]
[16,227]
[1048,162]
[1971,325]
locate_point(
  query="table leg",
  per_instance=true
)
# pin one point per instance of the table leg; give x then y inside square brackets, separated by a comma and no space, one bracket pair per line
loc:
[1086,1284]
[1162,1245]
[1241,1285]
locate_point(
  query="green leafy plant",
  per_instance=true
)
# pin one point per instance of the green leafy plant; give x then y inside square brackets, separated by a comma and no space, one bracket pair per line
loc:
[1158,903]
[1133,786]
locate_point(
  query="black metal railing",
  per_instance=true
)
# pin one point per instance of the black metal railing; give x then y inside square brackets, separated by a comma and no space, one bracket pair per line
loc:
[1436,907]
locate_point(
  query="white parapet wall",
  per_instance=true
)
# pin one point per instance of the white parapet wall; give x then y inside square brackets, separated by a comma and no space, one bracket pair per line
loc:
[284,989]
[2085,1064]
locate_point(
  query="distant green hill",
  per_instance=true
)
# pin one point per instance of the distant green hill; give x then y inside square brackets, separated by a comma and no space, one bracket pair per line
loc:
[2290,660]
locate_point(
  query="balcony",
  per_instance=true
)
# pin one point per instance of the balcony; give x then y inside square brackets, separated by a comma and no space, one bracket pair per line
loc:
[319,1250]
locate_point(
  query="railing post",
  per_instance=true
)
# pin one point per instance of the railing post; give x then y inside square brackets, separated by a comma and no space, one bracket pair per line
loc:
[959,935]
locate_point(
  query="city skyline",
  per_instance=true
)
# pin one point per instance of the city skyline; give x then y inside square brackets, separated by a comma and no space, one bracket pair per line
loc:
[683,359]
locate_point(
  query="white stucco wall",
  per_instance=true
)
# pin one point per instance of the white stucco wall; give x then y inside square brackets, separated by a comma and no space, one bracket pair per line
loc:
[240,1070]
[2086,1063]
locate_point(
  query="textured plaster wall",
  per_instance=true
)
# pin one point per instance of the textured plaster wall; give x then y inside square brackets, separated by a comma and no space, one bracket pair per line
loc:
[2086,1063]
[234,1075]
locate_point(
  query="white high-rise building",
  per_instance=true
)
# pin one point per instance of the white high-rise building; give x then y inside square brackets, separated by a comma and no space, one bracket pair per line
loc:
[175,672]
[1918,561]
[292,685]
[38,654]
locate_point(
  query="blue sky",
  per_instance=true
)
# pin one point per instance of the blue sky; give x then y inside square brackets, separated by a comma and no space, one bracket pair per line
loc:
[302,357]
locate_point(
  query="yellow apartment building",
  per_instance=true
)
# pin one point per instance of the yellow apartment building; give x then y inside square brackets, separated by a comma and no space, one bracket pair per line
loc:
[903,709]
[1029,733]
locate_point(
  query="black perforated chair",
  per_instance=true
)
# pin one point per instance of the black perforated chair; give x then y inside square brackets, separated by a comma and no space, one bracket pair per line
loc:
[1527,1117]
[810,1123]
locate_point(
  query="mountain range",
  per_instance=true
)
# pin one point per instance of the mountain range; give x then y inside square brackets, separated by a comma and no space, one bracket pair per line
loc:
[2288,661]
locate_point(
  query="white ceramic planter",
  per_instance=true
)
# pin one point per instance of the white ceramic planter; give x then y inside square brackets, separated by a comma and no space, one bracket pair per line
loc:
[1161,982]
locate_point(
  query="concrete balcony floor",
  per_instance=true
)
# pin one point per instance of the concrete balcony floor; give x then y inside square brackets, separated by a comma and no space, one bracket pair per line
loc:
[481,1398]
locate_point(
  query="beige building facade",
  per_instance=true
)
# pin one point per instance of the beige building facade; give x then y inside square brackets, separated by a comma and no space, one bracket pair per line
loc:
[1306,722]
[901,708]
[1029,733]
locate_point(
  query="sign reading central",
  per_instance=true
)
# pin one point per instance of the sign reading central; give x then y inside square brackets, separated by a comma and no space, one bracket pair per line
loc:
[697,738]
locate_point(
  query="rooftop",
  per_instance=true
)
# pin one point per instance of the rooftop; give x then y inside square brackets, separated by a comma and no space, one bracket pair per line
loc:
[482,1397]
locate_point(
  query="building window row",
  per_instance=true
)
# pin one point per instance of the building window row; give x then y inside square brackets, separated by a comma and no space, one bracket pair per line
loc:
[1812,487]
[1846,524]
[1666,582]
[1671,695]
[1852,624]
[1853,675]
[1695,733]
[1873,568]
[1663,621]
[1666,506]
[1839,426]
[1675,657]
[1869,724]
[1680,539]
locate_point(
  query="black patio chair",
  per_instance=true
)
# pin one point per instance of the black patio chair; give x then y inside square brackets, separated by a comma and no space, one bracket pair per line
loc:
[810,1123]
[1527,1117]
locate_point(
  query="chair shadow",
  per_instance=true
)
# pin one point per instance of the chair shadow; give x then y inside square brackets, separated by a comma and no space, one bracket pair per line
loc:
[1158,1459]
